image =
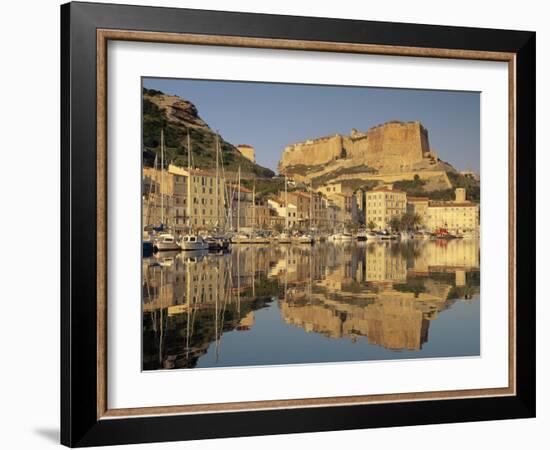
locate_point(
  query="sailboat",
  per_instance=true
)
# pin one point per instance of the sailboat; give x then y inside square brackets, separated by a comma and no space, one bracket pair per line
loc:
[306,238]
[166,240]
[191,241]
[218,240]
[284,237]
[256,237]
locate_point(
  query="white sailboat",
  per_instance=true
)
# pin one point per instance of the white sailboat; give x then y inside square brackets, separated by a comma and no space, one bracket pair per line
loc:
[190,241]
[166,240]
[284,237]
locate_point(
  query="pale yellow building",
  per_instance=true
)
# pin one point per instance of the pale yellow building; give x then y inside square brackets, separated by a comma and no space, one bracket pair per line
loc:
[180,199]
[418,206]
[382,204]
[457,217]
[343,202]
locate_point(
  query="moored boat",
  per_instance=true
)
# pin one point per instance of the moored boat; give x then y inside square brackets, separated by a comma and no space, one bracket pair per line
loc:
[372,236]
[303,239]
[341,237]
[193,242]
[165,241]
[284,238]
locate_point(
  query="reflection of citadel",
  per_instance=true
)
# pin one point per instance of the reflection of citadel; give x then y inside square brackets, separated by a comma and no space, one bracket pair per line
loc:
[384,293]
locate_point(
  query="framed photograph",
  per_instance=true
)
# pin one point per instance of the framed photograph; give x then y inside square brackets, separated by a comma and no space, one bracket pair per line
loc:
[276,224]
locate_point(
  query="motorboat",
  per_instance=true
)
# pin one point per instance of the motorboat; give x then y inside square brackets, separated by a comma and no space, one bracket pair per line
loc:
[259,239]
[405,236]
[361,236]
[241,238]
[341,237]
[165,241]
[283,238]
[372,236]
[217,242]
[193,242]
[303,239]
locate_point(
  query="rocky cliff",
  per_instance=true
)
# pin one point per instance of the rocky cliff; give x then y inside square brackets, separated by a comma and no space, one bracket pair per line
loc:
[176,116]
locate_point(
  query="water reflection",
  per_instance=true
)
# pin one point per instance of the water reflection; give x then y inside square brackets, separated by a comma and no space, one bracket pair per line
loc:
[279,304]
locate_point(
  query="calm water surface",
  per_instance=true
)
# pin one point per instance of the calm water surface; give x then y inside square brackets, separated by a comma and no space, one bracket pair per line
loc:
[276,304]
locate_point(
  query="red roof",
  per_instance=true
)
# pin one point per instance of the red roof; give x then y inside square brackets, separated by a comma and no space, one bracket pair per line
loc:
[242,188]
[385,189]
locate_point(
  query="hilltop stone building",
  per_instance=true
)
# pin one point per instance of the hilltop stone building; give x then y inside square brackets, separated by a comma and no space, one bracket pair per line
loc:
[391,147]
[247,151]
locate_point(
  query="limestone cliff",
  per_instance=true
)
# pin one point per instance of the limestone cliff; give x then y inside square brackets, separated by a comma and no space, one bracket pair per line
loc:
[177,116]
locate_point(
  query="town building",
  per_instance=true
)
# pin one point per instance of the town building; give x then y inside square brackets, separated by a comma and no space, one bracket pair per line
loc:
[285,215]
[308,207]
[456,217]
[343,201]
[418,206]
[166,195]
[241,199]
[383,203]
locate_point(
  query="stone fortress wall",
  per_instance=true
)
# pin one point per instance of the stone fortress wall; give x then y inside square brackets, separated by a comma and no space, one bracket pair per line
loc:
[390,147]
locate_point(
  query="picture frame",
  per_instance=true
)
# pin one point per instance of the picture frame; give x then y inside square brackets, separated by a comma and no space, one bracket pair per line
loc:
[86,418]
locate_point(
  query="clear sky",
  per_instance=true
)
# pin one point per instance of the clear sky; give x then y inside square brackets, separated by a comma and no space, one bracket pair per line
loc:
[270,116]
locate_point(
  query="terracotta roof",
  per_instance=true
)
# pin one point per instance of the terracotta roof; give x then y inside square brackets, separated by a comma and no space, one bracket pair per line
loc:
[242,188]
[385,189]
[451,205]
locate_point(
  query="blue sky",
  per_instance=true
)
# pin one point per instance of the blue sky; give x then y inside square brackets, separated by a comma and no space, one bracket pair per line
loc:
[270,116]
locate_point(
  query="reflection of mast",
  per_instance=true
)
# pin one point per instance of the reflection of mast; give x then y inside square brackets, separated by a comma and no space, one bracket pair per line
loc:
[253,274]
[161,314]
[188,295]
[162,176]
[239,281]
[216,328]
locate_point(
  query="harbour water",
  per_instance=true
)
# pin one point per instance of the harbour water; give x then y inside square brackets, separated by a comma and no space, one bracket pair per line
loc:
[329,302]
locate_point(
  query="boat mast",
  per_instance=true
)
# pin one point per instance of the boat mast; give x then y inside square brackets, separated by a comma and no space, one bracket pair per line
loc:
[217,180]
[239,202]
[310,205]
[254,205]
[286,205]
[188,181]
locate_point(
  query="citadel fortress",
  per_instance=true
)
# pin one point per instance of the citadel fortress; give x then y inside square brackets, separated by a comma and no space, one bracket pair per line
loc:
[387,153]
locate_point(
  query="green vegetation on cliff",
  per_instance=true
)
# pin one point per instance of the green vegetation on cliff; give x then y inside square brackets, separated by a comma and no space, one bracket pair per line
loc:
[155,119]
[415,188]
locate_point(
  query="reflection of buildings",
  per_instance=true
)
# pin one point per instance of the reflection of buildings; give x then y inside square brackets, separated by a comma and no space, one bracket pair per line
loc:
[447,255]
[385,293]
[383,265]
[386,303]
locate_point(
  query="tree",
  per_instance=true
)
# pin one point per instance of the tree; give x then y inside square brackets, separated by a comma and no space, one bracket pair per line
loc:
[410,221]
[395,223]
[371,225]
[353,227]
